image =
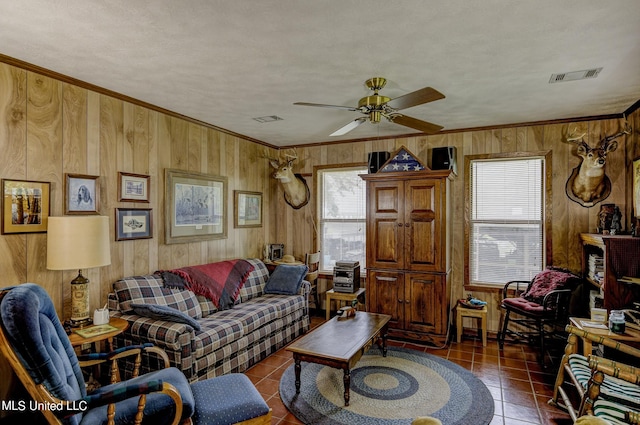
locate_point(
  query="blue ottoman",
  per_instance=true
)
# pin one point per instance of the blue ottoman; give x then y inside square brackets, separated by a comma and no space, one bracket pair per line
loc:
[227,399]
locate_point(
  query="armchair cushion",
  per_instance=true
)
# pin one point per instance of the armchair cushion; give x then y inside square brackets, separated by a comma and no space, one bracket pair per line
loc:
[164,312]
[286,279]
[548,280]
[523,305]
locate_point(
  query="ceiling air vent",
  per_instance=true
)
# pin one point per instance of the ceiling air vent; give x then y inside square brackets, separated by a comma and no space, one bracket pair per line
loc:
[574,75]
[268,118]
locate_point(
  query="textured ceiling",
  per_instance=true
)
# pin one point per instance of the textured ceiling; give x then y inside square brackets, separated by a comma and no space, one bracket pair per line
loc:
[226,62]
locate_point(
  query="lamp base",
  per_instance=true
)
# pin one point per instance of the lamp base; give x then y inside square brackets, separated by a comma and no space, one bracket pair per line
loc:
[80,314]
[77,324]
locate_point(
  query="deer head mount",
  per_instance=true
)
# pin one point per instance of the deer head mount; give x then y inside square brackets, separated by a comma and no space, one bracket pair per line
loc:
[296,190]
[588,183]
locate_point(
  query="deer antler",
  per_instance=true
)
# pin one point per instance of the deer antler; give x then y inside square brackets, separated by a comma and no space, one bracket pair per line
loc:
[573,137]
[625,130]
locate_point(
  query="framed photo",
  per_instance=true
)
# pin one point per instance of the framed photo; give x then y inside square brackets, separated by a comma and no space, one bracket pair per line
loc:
[195,207]
[81,194]
[134,223]
[133,187]
[247,207]
[635,166]
[25,206]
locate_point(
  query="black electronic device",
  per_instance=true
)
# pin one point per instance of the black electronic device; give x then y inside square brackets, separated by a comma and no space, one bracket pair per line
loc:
[346,276]
[276,251]
[443,158]
[377,160]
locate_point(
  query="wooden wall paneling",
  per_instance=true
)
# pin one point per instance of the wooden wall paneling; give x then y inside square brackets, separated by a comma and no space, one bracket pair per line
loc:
[111,137]
[163,132]
[509,139]
[125,162]
[140,155]
[44,163]
[13,135]
[194,149]
[179,145]
[156,180]
[559,202]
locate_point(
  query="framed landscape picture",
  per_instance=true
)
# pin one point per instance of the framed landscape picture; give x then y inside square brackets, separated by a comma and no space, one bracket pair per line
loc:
[25,206]
[81,194]
[247,207]
[195,207]
[134,223]
[133,187]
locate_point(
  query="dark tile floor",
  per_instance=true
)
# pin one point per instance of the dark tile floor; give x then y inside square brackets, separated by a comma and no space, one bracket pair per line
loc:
[520,387]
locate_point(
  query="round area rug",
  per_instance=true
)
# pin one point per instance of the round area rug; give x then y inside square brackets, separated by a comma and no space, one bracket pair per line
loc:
[388,390]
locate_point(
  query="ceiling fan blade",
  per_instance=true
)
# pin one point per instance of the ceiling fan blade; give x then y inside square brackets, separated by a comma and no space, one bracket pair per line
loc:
[321,105]
[347,128]
[423,126]
[415,98]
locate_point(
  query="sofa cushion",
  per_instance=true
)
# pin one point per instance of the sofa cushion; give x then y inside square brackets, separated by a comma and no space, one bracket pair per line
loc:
[254,286]
[163,312]
[286,279]
[216,332]
[150,290]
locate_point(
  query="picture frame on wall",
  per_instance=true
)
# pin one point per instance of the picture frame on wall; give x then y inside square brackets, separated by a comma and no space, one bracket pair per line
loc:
[134,223]
[635,167]
[81,194]
[25,206]
[133,187]
[247,207]
[195,207]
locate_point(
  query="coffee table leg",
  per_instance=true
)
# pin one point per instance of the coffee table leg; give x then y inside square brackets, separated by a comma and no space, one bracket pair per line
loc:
[384,342]
[347,385]
[298,369]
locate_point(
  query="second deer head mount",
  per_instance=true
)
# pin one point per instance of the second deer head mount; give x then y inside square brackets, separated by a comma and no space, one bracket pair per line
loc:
[588,184]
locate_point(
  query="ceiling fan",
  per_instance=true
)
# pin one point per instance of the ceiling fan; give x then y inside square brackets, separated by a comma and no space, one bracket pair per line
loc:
[377,106]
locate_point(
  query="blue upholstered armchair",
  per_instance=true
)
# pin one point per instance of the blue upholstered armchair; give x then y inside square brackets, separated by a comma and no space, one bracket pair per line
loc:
[37,347]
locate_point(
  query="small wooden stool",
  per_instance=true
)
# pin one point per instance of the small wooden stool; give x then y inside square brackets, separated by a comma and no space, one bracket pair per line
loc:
[341,296]
[480,313]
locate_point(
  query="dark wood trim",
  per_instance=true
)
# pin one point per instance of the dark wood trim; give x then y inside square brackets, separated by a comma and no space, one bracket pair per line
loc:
[83,84]
[92,87]
[631,109]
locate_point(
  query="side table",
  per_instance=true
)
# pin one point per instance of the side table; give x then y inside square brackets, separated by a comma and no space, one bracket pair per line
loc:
[120,324]
[341,296]
[630,335]
[480,313]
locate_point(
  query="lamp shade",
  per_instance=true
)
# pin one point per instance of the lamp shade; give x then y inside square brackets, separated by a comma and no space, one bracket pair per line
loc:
[78,242]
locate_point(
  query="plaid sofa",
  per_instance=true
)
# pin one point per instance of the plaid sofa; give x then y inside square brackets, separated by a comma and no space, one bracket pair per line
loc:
[229,340]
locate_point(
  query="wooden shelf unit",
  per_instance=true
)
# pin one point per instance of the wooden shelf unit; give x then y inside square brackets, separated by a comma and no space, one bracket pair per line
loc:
[616,294]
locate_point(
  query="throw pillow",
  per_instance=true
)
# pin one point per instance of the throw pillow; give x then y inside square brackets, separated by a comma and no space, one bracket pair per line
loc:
[548,280]
[163,312]
[286,279]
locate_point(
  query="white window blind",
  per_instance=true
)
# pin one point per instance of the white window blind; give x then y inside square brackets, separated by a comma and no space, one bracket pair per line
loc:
[507,220]
[342,216]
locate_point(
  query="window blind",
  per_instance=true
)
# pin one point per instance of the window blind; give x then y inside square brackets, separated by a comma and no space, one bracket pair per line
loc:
[506,223]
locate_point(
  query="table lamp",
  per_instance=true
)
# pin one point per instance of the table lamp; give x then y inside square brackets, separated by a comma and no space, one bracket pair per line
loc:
[78,242]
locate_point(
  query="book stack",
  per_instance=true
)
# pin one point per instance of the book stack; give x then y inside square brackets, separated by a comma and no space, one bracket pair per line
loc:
[595,268]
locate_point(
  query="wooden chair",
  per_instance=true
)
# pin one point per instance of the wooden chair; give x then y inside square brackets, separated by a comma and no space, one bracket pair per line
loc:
[594,385]
[39,351]
[538,307]
[313,262]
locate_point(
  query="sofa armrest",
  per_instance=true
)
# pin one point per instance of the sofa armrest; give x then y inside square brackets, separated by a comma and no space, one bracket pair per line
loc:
[168,335]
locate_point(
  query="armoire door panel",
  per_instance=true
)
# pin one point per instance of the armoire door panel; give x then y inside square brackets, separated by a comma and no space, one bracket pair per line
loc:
[424,311]
[385,227]
[387,250]
[422,211]
[384,289]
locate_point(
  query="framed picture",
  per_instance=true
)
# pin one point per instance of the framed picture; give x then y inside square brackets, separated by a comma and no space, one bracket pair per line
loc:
[81,194]
[25,206]
[134,223]
[133,187]
[636,186]
[247,207]
[195,207]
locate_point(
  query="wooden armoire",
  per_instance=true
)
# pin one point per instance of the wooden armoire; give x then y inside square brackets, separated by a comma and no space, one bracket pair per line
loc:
[408,252]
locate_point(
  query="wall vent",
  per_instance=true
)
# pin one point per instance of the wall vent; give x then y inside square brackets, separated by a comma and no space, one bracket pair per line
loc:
[574,75]
[268,118]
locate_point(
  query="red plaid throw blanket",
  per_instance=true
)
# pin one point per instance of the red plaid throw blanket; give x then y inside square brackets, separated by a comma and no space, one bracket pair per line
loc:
[220,282]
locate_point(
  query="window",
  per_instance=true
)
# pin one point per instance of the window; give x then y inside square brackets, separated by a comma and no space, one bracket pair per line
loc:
[342,216]
[505,230]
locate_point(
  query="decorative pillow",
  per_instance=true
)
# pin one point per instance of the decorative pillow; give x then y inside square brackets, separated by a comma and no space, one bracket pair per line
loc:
[286,279]
[163,312]
[548,280]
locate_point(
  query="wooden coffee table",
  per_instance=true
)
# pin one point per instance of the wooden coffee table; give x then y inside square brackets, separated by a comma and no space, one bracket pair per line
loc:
[340,343]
